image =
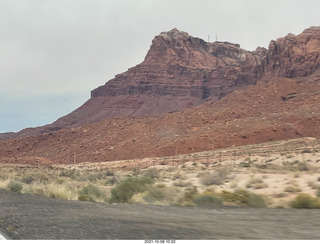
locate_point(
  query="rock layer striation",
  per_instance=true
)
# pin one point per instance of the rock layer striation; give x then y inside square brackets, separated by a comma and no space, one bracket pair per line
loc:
[181,71]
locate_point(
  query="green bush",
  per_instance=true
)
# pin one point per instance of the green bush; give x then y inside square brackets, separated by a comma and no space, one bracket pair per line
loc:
[155,193]
[305,201]
[207,200]
[14,186]
[84,198]
[92,191]
[128,187]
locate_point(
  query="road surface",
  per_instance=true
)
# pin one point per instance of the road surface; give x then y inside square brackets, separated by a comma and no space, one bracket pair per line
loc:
[30,217]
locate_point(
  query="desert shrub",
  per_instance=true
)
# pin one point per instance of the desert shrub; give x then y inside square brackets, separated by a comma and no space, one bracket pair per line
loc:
[256,180]
[158,194]
[42,178]
[155,194]
[215,178]
[313,185]
[109,173]
[245,165]
[68,174]
[244,198]
[261,166]
[28,179]
[207,200]
[152,173]
[111,181]
[60,181]
[136,171]
[14,186]
[303,166]
[179,176]
[305,201]
[280,195]
[123,191]
[36,177]
[189,193]
[92,191]
[259,185]
[84,198]
[94,177]
[181,183]
[256,183]
[188,196]
[292,189]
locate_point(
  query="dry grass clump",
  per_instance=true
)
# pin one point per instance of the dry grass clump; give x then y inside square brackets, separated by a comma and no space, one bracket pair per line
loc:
[313,185]
[52,190]
[296,166]
[280,195]
[242,197]
[292,189]
[181,183]
[152,173]
[207,200]
[188,197]
[305,201]
[256,183]
[214,178]
[160,194]
[179,176]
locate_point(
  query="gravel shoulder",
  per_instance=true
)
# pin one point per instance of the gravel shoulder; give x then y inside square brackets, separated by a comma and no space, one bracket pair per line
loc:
[30,217]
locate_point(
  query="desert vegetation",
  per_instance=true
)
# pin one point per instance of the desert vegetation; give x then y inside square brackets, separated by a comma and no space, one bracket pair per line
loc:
[245,176]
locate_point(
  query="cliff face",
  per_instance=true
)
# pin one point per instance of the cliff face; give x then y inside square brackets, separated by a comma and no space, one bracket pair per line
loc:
[180,65]
[181,71]
[294,56]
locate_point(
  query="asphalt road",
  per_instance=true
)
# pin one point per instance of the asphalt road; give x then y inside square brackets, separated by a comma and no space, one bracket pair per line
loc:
[32,217]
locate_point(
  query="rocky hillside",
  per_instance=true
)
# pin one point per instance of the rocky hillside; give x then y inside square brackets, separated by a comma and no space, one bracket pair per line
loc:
[279,109]
[224,95]
[181,71]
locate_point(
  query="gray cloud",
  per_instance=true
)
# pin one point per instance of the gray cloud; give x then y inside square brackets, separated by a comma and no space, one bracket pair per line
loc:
[54,52]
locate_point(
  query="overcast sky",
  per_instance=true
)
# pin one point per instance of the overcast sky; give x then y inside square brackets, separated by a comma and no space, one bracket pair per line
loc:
[54,52]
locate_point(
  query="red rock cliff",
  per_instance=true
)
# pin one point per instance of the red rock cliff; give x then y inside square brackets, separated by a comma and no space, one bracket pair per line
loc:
[181,71]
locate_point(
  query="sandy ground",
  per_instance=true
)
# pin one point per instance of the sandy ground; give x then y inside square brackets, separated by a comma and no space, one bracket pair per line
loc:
[279,165]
